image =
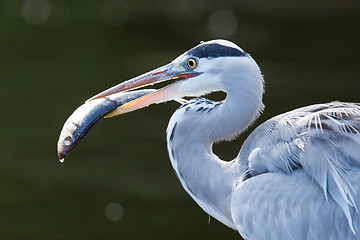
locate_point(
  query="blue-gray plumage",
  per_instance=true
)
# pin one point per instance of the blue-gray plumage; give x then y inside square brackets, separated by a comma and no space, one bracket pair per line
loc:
[297,175]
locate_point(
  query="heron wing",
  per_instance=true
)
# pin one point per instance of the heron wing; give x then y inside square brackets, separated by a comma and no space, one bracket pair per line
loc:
[290,206]
[322,140]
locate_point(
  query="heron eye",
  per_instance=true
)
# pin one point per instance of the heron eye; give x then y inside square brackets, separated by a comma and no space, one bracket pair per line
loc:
[191,62]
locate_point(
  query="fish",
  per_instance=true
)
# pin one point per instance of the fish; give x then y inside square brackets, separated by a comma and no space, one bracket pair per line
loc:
[85,117]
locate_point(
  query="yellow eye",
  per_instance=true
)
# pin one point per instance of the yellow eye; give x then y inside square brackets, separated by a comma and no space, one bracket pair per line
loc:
[191,62]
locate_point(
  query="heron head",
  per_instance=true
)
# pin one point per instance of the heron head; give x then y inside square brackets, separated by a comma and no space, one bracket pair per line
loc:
[200,70]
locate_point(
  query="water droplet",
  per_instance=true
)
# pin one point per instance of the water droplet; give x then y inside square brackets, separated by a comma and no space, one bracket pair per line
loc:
[114,212]
[223,22]
[35,12]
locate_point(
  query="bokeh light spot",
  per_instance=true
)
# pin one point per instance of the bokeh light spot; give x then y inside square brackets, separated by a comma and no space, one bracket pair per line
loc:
[35,12]
[223,23]
[114,212]
[115,12]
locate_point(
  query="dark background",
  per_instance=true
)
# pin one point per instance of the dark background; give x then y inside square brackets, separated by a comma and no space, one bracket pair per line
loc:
[118,183]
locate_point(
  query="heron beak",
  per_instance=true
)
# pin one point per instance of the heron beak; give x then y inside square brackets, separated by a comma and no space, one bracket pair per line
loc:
[167,93]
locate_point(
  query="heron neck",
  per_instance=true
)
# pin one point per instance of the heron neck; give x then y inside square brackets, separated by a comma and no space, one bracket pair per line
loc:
[203,176]
[208,179]
[191,133]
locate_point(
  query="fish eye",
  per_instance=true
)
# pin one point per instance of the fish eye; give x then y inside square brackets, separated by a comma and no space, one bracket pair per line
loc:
[68,140]
[191,62]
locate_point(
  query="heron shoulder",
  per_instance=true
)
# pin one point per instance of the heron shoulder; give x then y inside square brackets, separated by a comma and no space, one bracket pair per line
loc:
[323,140]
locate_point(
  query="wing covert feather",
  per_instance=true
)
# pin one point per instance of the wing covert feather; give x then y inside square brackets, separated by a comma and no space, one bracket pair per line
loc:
[290,206]
[323,140]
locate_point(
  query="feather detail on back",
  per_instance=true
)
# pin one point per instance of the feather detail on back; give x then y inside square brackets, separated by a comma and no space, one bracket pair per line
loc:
[322,139]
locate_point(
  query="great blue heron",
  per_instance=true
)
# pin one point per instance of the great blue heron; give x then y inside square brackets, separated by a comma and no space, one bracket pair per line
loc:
[296,176]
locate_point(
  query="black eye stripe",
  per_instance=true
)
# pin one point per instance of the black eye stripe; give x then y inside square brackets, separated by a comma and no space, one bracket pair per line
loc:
[213,50]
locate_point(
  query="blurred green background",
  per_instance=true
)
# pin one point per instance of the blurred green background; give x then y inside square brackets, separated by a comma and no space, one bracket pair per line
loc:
[118,183]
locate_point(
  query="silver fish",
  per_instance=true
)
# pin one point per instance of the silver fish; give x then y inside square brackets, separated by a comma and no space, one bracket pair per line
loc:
[87,115]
